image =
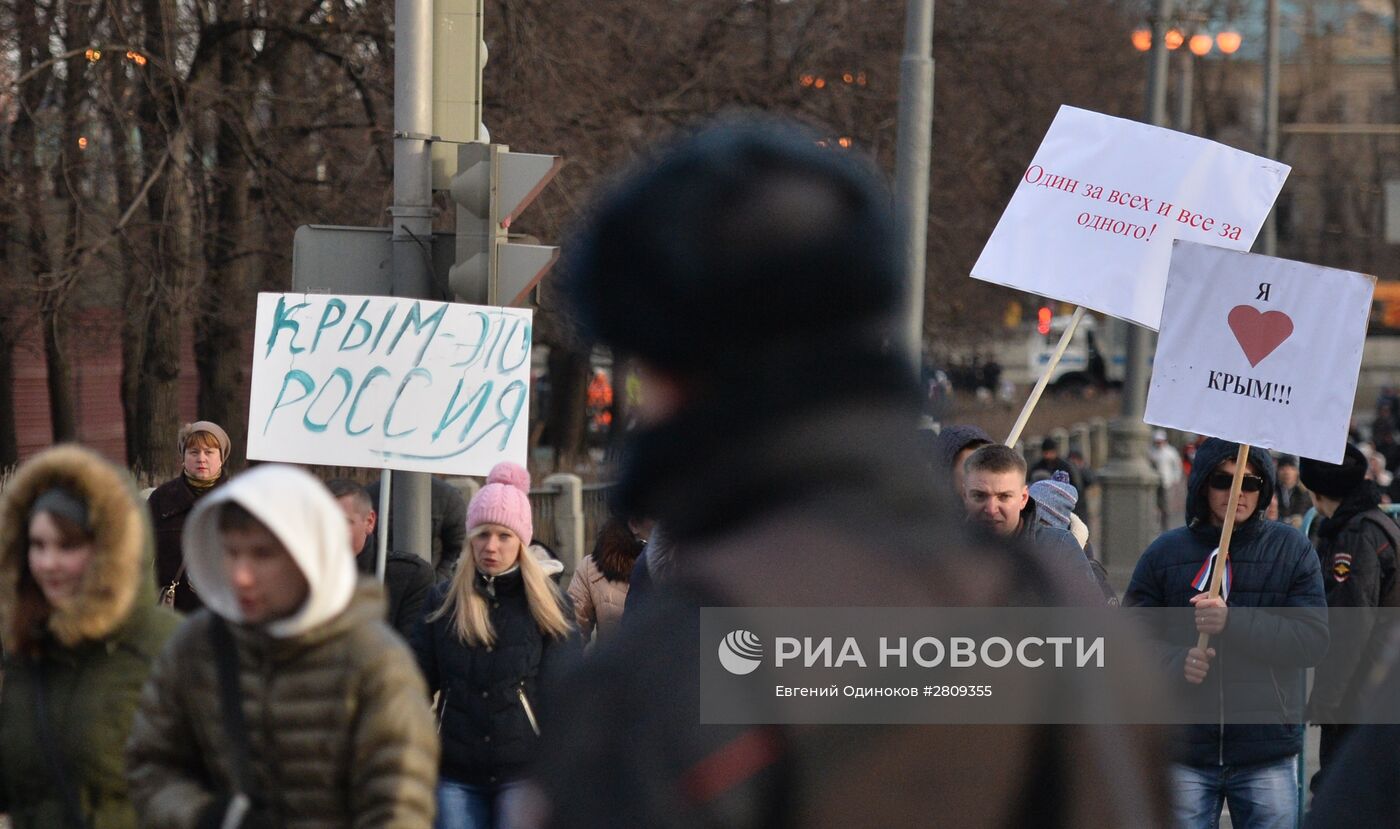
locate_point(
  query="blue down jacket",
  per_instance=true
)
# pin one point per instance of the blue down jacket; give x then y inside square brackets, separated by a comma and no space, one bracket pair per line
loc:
[1260,657]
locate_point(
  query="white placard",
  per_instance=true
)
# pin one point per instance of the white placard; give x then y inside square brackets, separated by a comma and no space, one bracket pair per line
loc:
[1095,213]
[1259,350]
[387,382]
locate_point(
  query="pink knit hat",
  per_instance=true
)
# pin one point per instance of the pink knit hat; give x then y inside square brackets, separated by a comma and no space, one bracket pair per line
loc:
[505,500]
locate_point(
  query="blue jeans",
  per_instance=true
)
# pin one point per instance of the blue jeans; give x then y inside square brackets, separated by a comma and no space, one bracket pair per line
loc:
[465,806]
[1261,796]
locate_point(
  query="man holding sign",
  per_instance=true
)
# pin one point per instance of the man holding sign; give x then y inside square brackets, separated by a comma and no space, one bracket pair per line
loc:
[1266,352]
[1270,565]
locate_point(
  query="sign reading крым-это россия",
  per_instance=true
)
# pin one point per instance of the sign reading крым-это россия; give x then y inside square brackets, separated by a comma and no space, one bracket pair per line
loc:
[389,382]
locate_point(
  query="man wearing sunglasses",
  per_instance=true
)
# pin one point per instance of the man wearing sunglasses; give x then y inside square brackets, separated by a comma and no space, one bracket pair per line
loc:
[1258,658]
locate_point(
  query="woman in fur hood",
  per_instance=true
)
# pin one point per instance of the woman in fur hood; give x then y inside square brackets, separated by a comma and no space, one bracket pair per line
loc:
[81,627]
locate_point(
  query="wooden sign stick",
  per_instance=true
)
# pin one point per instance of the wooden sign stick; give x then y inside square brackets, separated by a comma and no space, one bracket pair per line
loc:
[1045,377]
[1223,559]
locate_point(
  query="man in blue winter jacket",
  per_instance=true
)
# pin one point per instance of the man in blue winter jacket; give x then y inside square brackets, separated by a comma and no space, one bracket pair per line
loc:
[1254,666]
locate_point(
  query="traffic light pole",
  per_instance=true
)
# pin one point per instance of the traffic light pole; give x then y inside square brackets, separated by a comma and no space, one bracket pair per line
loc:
[412,234]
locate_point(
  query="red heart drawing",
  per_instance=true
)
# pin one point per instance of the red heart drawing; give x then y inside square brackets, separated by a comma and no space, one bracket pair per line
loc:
[1259,333]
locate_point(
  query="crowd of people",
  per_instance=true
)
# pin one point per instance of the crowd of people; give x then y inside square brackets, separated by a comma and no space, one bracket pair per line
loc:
[222,655]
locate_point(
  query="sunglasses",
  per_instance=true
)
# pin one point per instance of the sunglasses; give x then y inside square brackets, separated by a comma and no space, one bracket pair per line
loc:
[1223,480]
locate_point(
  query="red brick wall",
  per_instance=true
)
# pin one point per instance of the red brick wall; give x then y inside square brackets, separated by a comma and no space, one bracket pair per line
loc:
[97,369]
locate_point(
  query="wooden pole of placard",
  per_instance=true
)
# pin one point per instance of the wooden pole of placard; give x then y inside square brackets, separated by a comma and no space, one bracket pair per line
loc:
[1223,559]
[1045,377]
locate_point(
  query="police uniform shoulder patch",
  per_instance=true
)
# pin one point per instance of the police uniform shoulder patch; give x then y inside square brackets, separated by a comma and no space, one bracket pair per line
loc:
[1341,566]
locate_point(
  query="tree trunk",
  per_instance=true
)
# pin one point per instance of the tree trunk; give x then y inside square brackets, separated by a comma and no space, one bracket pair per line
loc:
[63,409]
[134,279]
[56,282]
[219,326]
[568,404]
[155,413]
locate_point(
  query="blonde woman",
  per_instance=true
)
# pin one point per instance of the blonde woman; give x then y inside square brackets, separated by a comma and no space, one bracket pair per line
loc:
[493,636]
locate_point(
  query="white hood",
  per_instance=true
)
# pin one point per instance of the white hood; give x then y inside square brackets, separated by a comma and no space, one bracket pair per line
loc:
[300,511]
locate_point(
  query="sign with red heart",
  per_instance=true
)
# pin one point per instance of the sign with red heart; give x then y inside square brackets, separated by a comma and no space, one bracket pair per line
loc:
[1259,350]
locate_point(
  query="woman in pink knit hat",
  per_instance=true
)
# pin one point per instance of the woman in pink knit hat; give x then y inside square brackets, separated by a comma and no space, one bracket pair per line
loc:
[493,636]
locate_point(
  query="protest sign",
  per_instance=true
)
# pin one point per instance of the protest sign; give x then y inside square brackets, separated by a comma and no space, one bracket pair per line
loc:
[1094,215]
[389,382]
[1259,350]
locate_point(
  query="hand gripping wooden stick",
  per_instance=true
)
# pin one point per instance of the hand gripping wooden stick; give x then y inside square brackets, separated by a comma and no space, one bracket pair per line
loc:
[1223,559]
[1045,377]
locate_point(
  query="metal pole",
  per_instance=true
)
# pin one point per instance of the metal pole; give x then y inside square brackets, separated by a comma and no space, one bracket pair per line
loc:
[386,482]
[1183,109]
[1269,236]
[412,215]
[914,140]
[1129,520]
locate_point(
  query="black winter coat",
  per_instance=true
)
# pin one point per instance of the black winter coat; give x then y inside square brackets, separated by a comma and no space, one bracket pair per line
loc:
[170,504]
[1357,553]
[1259,657]
[407,582]
[487,737]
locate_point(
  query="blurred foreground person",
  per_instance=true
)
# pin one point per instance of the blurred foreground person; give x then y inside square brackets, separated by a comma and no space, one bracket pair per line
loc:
[81,628]
[755,278]
[287,701]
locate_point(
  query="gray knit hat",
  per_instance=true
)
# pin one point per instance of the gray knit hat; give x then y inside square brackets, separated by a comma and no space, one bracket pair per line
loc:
[1054,501]
[191,429]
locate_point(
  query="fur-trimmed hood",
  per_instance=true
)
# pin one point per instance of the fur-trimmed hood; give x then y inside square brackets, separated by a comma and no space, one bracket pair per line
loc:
[120,573]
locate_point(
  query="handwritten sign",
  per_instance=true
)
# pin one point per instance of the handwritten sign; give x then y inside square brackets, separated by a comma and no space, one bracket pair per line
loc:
[388,382]
[1259,350]
[1094,215]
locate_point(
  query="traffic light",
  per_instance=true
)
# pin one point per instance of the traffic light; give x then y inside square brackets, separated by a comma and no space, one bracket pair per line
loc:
[491,188]
[459,55]
[1042,323]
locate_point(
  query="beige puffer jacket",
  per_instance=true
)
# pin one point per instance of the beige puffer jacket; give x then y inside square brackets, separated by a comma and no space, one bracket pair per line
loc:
[598,602]
[340,732]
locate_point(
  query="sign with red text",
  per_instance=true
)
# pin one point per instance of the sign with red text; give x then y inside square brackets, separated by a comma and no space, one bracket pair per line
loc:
[1093,218]
[1259,350]
[389,383]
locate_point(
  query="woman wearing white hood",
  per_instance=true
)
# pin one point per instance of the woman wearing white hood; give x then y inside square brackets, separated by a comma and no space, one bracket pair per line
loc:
[287,700]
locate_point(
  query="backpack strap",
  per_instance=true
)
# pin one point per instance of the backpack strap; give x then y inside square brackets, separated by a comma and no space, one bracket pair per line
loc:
[235,728]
